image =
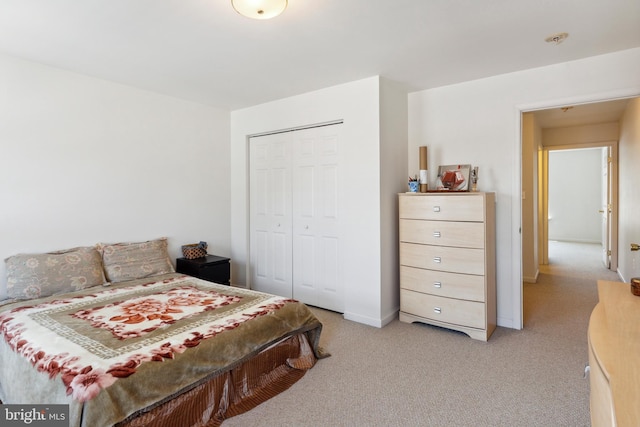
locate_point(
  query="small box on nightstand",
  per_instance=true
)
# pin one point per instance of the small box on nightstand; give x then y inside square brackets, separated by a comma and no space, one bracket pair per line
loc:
[211,267]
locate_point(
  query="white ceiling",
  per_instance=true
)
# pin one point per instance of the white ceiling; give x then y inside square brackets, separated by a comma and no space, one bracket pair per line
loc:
[202,50]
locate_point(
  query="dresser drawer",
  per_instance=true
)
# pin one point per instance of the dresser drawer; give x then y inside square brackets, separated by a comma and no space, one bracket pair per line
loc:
[443,258]
[442,233]
[449,310]
[463,207]
[441,283]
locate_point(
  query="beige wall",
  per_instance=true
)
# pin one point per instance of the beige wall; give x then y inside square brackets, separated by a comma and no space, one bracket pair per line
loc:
[629,191]
[530,145]
[602,132]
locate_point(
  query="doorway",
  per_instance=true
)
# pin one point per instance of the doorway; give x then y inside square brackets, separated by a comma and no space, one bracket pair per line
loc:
[579,199]
[565,127]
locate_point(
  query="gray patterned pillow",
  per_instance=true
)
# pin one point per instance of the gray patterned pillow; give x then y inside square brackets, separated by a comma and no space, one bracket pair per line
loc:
[130,261]
[41,275]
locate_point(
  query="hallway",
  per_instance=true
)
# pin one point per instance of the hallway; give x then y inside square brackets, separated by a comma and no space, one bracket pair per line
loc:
[566,289]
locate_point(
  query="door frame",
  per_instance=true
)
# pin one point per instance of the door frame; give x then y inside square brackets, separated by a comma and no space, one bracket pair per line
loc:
[543,208]
[517,307]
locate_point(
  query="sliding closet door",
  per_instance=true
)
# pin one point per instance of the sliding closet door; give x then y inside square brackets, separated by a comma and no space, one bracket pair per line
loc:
[316,235]
[270,214]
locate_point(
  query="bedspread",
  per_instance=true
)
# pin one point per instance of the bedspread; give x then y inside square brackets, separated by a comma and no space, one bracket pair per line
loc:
[109,351]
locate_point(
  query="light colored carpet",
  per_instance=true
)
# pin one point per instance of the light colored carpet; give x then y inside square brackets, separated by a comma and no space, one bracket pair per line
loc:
[420,375]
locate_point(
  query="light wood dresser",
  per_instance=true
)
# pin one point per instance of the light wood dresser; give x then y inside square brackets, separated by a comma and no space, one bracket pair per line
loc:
[614,357]
[447,261]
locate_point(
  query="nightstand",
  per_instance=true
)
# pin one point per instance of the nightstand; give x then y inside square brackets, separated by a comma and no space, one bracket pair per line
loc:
[211,267]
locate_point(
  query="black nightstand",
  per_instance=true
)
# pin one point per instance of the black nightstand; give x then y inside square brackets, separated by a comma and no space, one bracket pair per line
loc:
[212,268]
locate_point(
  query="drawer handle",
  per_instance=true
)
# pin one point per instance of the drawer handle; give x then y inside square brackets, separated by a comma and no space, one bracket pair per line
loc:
[437,259]
[436,234]
[436,208]
[437,284]
[437,310]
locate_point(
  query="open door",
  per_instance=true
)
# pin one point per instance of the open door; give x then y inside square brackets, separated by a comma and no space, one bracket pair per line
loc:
[605,210]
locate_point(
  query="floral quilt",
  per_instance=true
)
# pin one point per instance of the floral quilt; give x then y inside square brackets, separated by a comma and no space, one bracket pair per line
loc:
[93,340]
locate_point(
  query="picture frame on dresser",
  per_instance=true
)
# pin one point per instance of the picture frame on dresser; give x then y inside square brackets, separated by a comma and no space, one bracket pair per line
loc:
[453,178]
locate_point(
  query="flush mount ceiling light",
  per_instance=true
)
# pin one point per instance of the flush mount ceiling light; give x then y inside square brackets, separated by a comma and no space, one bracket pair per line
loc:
[557,38]
[259,9]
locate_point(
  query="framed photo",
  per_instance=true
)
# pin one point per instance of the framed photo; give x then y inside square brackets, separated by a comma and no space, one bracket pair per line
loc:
[453,178]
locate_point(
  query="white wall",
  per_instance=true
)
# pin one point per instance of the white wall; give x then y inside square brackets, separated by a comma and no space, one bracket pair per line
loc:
[575,195]
[629,195]
[358,104]
[84,160]
[479,122]
[393,179]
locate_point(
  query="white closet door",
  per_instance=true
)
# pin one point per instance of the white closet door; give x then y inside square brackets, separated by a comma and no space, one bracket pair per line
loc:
[270,214]
[316,235]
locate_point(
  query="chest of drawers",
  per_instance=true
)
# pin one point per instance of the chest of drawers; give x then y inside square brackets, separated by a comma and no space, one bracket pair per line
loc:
[447,261]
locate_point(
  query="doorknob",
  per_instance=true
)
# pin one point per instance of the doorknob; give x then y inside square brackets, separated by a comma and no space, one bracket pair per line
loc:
[601,211]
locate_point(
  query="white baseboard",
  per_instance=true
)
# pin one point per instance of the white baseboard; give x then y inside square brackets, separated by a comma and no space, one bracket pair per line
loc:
[378,323]
[534,279]
[576,241]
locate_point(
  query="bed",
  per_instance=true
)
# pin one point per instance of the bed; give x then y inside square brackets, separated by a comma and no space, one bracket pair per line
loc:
[160,350]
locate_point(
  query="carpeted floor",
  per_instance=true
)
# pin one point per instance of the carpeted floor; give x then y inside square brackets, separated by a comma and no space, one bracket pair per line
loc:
[420,375]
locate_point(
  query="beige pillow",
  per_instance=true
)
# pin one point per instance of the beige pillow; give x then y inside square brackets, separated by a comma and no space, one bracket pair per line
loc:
[130,261]
[41,275]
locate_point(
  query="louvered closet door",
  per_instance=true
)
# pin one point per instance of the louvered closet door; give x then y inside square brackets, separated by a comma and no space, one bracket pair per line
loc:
[270,214]
[316,217]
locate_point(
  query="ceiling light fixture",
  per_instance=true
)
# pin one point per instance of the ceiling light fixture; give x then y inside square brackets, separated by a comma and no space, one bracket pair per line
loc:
[259,9]
[557,38]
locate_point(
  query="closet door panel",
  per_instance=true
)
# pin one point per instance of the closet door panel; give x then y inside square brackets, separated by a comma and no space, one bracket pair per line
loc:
[270,214]
[294,216]
[316,183]
[330,294]
[305,276]
[329,192]
[279,189]
[306,177]
[261,263]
